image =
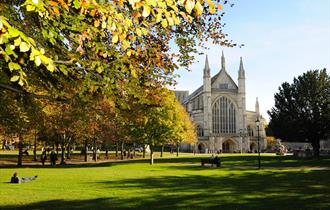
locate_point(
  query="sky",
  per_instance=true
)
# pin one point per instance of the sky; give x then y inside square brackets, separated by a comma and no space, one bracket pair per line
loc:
[282,38]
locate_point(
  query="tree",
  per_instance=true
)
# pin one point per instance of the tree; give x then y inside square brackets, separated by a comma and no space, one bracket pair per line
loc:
[20,115]
[76,46]
[302,109]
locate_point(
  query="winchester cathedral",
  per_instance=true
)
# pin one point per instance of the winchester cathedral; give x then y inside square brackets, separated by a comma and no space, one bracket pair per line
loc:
[219,112]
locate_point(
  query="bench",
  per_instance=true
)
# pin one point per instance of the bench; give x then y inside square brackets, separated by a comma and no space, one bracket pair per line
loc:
[215,160]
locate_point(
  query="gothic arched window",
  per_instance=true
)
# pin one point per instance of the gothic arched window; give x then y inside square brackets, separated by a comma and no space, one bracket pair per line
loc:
[250,130]
[224,116]
[200,131]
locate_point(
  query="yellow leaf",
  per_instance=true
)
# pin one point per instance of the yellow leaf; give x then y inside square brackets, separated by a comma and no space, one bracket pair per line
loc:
[17,41]
[115,38]
[170,21]
[138,32]
[164,23]
[220,7]
[198,8]
[212,10]
[189,5]
[152,3]
[104,24]
[30,8]
[96,23]
[24,47]
[146,11]
[37,60]
[14,78]
[51,67]
[20,82]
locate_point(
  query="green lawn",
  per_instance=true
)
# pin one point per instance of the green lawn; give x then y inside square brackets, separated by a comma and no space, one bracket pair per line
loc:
[173,183]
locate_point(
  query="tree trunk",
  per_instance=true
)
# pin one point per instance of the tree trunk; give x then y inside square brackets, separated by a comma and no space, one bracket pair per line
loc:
[144,151]
[129,153]
[57,148]
[94,150]
[35,147]
[86,151]
[20,150]
[151,155]
[121,151]
[177,149]
[117,149]
[162,151]
[62,154]
[68,155]
[316,147]
[106,153]
[3,144]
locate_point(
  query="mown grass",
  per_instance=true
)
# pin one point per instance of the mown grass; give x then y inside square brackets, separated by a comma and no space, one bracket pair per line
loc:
[173,183]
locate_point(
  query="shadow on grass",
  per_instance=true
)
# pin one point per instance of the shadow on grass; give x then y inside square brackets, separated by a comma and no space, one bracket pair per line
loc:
[249,190]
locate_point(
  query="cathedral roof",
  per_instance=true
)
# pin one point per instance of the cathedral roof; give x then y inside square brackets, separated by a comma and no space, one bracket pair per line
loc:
[221,76]
[213,79]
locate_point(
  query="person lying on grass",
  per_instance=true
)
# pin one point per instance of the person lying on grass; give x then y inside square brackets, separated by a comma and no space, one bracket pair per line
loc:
[16,179]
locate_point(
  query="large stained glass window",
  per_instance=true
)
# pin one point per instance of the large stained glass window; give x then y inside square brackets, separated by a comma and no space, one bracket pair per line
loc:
[223,116]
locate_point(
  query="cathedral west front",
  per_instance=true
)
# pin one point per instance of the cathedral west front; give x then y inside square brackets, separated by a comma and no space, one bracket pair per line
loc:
[219,112]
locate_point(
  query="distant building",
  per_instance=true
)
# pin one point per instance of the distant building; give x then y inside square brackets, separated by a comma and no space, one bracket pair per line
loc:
[219,112]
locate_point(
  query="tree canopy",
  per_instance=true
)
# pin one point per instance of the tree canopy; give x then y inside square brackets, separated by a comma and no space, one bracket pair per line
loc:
[302,109]
[93,65]
[66,47]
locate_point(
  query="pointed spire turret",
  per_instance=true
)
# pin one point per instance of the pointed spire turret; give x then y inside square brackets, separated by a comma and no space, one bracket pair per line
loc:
[257,107]
[241,72]
[223,62]
[206,67]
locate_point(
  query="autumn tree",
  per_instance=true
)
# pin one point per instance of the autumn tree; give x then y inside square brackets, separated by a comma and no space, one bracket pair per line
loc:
[302,109]
[20,115]
[47,46]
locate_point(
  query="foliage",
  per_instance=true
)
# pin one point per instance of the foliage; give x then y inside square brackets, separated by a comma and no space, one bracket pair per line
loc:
[76,46]
[99,67]
[302,109]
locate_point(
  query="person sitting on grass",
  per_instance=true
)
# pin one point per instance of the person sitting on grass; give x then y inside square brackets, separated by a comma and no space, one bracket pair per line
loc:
[16,179]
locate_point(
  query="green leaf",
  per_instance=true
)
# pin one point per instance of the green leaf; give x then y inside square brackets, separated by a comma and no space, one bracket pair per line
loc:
[99,69]
[30,8]
[8,50]
[51,67]
[76,4]
[17,41]
[20,82]
[14,78]
[14,66]
[13,32]
[24,47]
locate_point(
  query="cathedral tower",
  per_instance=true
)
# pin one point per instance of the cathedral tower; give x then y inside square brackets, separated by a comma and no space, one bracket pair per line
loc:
[207,111]
[241,98]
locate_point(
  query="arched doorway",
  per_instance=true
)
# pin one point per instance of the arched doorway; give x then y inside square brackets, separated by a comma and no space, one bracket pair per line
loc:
[228,146]
[253,147]
[201,148]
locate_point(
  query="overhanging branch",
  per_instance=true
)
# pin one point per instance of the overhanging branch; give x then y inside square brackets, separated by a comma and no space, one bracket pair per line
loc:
[46,97]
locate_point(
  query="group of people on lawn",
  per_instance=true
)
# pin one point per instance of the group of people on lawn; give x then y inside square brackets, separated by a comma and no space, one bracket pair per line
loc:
[52,157]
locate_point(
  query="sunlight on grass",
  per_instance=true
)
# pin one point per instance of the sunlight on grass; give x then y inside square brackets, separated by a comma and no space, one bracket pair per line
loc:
[173,183]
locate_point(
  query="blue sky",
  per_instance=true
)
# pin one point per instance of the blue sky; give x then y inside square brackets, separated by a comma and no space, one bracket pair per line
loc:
[283,39]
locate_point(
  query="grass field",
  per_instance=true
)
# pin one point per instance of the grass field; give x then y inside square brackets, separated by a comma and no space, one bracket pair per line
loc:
[173,183]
